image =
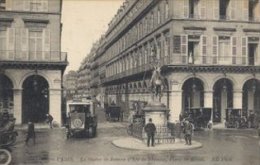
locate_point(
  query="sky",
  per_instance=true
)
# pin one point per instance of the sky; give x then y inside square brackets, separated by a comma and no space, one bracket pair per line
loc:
[84,21]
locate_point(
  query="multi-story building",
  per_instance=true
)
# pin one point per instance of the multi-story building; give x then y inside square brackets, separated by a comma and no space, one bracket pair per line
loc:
[209,53]
[31,61]
[84,78]
[70,84]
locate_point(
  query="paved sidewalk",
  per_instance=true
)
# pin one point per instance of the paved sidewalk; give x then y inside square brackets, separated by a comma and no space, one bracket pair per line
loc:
[136,144]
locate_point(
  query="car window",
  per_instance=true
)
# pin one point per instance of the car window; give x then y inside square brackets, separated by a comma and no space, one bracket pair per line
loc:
[79,108]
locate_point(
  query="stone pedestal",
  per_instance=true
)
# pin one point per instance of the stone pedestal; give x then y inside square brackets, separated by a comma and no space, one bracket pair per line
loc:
[158,112]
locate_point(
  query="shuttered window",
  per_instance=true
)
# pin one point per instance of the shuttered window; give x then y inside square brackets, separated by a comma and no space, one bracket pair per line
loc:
[184,48]
[203,44]
[244,49]
[214,49]
[245,9]
[35,45]
[203,9]
[234,50]
[177,44]
[3,48]
[186,8]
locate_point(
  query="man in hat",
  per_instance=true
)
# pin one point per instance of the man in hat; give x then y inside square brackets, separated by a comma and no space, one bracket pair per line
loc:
[188,131]
[30,132]
[150,130]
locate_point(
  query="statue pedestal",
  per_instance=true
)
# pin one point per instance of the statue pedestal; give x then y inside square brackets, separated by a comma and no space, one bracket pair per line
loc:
[158,112]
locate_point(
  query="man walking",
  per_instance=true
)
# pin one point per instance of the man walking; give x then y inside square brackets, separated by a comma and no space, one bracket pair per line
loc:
[188,131]
[30,132]
[150,130]
[49,120]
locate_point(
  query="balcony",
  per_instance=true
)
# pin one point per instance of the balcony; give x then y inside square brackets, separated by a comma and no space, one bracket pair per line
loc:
[33,58]
[185,61]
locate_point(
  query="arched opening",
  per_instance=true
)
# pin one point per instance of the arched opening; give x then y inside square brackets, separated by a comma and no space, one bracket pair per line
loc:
[222,99]
[192,94]
[6,94]
[251,97]
[35,99]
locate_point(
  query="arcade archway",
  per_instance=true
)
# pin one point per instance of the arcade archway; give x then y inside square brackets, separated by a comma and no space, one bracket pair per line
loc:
[193,94]
[6,94]
[35,99]
[223,99]
[251,97]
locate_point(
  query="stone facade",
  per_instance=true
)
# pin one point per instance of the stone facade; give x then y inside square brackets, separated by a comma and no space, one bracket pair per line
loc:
[31,60]
[208,51]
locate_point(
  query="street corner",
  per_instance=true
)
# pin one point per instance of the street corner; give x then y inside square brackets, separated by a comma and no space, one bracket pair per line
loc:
[136,144]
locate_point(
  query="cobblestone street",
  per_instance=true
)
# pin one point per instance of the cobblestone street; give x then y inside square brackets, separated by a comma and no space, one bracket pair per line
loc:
[238,147]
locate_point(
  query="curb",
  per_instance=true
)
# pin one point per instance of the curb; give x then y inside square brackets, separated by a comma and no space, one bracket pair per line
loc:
[139,145]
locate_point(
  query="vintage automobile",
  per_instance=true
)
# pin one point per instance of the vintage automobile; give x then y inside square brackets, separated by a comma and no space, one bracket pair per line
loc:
[81,119]
[7,132]
[253,119]
[113,112]
[234,119]
[200,117]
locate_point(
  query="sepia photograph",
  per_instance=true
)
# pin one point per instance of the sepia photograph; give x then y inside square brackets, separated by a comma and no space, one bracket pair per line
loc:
[129,82]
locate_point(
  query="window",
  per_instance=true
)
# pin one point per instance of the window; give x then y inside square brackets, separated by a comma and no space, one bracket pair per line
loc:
[2,4]
[193,52]
[3,41]
[252,9]
[35,45]
[152,20]
[166,9]
[158,16]
[36,5]
[223,7]
[224,47]
[177,44]
[193,8]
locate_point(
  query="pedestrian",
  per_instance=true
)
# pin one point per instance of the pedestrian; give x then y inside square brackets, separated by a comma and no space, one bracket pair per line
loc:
[30,132]
[150,130]
[188,131]
[49,119]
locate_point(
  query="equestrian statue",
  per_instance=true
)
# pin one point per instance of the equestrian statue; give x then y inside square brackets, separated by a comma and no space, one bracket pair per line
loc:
[157,83]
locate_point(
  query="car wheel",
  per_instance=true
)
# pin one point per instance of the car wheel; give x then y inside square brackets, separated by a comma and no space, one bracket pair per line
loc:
[5,156]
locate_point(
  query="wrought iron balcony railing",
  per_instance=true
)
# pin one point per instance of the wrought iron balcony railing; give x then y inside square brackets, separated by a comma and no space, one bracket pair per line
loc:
[33,56]
[184,60]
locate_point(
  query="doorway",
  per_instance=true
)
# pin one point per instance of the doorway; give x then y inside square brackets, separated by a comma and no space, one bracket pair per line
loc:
[35,99]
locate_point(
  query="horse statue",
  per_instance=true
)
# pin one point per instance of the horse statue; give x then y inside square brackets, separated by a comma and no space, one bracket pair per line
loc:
[157,83]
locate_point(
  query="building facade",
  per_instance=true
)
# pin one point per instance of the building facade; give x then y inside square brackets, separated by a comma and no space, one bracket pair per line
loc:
[209,53]
[31,61]
[84,78]
[70,84]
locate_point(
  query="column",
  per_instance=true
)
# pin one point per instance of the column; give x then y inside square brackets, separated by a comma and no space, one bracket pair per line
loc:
[237,99]
[55,105]
[175,105]
[18,105]
[208,99]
